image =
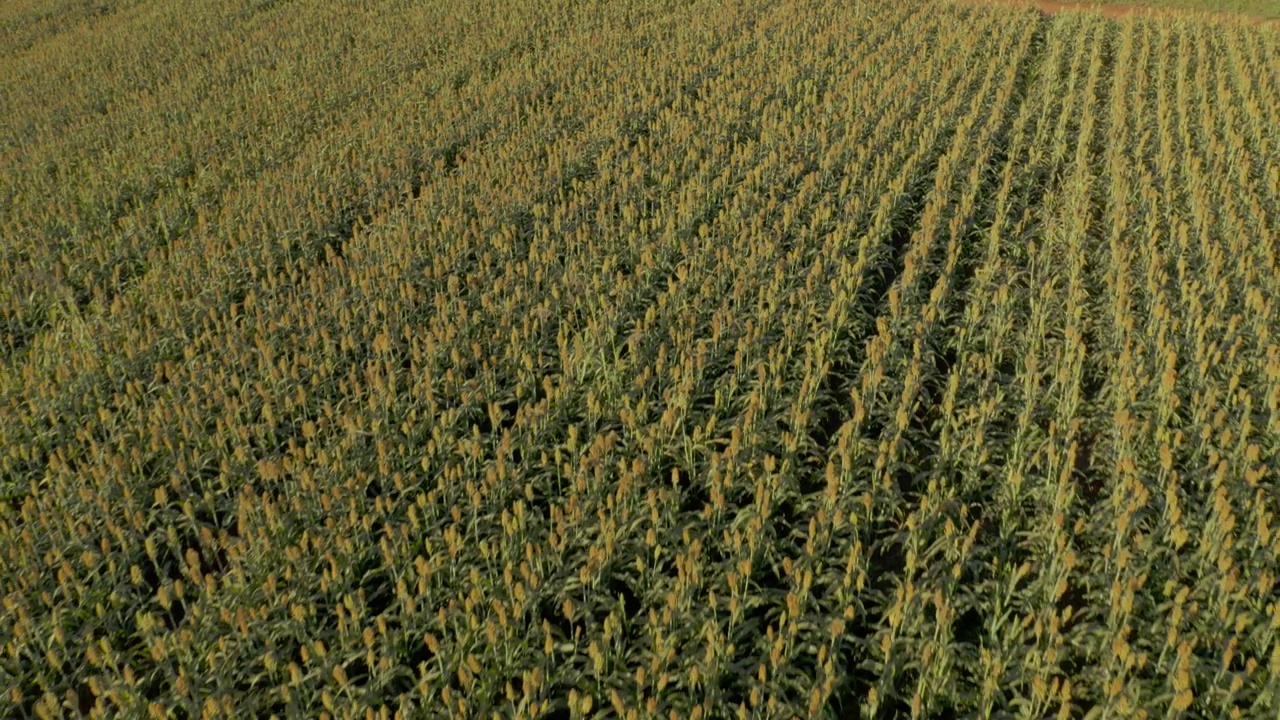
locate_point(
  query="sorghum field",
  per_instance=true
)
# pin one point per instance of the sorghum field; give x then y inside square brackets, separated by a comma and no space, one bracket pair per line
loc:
[1260,10]
[637,359]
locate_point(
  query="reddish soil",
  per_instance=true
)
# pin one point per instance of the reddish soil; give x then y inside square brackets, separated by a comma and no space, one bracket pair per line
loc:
[1052,7]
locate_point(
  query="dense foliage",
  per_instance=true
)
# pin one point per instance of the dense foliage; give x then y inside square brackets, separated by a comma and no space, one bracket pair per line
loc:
[637,358]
